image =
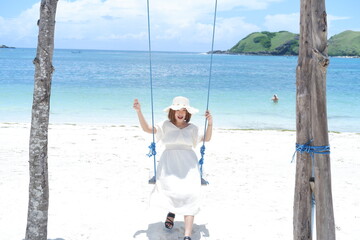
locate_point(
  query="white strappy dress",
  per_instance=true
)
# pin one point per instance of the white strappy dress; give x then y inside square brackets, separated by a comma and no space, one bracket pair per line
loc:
[177,187]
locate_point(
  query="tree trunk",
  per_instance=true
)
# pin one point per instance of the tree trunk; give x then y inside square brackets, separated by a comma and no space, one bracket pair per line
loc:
[311,123]
[302,196]
[36,228]
[325,225]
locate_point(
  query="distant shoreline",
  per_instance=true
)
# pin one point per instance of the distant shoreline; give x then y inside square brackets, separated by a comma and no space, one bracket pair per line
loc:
[220,52]
[226,52]
[4,46]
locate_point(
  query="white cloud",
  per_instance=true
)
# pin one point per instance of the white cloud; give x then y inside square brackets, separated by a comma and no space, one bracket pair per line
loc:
[331,21]
[183,21]
[90,10]
[230,30]
[245,4]
[98,21]
[23,26]
[291,22]
[335,18]
[283,22]
[129,36]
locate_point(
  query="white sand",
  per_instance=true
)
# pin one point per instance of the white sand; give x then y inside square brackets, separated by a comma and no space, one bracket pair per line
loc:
[99,191]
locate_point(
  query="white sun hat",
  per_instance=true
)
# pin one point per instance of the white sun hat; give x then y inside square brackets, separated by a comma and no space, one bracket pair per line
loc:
[179,103]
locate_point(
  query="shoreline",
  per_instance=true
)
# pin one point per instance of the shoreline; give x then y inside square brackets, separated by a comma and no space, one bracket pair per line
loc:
[82,124]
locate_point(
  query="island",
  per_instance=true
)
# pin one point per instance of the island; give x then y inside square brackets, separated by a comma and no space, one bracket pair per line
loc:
[4,46]
[284,43]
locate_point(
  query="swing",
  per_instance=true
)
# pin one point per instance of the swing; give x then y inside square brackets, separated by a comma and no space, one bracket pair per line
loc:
[152,147]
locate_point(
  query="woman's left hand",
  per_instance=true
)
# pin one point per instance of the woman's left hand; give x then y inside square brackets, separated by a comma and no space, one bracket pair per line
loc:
[209,117]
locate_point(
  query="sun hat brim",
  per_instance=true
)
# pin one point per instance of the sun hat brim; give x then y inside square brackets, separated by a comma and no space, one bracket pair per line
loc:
[180,103]
[191,110]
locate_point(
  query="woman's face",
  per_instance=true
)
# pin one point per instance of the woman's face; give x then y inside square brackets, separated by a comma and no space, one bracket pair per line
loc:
[180,115]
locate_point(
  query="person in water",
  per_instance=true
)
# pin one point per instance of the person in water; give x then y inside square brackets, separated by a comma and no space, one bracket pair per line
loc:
[275,98]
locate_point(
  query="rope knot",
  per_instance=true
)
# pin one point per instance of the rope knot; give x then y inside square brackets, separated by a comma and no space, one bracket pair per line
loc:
[201,161]
[301,148]
[202,150]
[152,150]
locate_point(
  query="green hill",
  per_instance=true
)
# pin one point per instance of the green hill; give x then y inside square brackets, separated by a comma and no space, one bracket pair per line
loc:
[278,43]
[286,43]
[345,44]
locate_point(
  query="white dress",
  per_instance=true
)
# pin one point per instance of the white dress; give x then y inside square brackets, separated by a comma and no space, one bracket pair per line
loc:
[178,180]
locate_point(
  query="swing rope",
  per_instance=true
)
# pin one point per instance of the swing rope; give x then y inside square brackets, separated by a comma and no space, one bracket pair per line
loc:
[301,148]
[152,147]
[202,149]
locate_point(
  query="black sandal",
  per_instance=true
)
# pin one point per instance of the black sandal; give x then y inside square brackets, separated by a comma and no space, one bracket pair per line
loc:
[187,238]
[170,223]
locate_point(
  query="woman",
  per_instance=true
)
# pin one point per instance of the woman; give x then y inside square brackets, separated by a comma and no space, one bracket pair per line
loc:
[178,179]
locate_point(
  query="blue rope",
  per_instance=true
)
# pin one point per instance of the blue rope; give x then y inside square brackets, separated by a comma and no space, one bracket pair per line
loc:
[152,145]
[301,148]
[202,149]
[201,161]
[152,151]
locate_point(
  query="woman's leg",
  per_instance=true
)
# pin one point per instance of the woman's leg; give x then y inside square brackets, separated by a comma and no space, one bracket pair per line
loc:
[188,220]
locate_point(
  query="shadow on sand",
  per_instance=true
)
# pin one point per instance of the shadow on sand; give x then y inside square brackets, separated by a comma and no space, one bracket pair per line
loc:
[52,239]
[157,231]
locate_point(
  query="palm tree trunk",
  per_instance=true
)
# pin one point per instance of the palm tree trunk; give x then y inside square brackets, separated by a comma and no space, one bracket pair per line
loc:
[36,228]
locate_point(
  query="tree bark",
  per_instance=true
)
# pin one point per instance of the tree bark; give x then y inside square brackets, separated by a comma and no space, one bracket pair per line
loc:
[325,225]
[302,196]
[311,123]
[36,228]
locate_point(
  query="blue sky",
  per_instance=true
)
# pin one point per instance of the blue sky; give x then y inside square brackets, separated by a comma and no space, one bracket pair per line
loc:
[176,25]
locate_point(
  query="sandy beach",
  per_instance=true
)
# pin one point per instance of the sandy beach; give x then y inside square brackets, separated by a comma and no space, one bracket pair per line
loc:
[98,185]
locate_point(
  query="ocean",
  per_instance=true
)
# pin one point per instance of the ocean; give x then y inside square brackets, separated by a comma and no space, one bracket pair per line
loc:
[98,87]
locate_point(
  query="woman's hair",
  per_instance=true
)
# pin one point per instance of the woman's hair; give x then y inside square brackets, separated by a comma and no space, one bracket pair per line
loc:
[172,119]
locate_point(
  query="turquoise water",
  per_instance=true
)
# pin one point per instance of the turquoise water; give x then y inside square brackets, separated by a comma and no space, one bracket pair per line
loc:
[91,86]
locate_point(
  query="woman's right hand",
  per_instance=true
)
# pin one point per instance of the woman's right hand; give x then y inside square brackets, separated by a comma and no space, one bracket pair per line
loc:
[142,120]
[136,105]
